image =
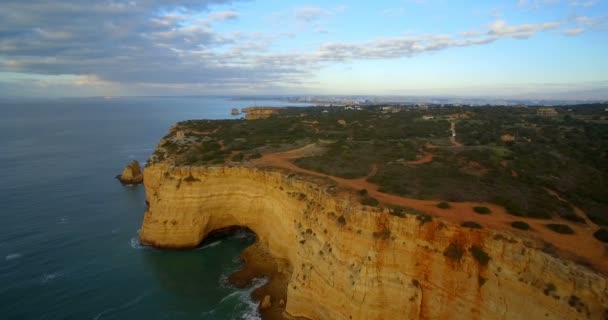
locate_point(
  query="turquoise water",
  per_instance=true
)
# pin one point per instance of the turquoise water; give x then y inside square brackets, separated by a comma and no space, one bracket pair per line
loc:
[69,231]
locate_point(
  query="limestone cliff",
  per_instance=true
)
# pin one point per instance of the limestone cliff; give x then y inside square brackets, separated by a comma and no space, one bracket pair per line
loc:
[132,174]
[347,261]
[253,113]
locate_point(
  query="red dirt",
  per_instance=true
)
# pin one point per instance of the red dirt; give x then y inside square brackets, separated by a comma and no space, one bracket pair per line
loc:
[581,245]
[426,158]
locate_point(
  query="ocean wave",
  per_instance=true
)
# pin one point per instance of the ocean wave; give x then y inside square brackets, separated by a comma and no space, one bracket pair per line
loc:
[48,277]
[13,256]
[122,307]
[136,244]
[211,245]
[251,312]
[244,306]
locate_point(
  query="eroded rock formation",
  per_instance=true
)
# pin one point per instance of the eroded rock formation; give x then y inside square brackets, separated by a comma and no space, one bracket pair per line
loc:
[132,174]
[346,261]
[253,113]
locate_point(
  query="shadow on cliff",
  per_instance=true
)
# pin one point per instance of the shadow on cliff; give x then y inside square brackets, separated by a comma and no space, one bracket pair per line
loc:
[197,279]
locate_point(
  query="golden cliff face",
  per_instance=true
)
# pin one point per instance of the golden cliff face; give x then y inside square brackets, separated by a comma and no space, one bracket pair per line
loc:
[353,262]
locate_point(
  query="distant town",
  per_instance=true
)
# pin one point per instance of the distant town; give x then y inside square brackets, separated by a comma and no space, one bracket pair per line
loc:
[337,101]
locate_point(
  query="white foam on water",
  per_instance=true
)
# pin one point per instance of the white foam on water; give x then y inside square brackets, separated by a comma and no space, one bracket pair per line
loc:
[135,244]
[252,312]
[63,220]
[48,277]
[13,256]
[211,245]
[122,307]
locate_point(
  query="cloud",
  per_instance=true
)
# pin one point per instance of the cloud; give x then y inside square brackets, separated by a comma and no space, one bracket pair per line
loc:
[152,44]
[535,4]
[500,28]
[585,4]
[594,23]
[573,32]
[310,14]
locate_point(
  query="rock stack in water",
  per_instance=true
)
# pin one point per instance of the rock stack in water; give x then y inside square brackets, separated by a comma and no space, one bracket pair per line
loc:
[132,174]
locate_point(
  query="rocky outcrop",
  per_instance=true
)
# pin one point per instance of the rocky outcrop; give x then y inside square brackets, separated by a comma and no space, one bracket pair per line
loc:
[346,261]
[234,112]
[266,303]
[253,113]
[132,174]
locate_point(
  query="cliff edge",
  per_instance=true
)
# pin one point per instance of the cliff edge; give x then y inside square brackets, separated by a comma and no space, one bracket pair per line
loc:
[344,260]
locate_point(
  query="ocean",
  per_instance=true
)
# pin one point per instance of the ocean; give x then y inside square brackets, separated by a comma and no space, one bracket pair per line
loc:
[69,244]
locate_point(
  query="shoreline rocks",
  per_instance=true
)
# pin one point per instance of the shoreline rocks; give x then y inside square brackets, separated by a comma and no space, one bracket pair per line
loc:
[132,174]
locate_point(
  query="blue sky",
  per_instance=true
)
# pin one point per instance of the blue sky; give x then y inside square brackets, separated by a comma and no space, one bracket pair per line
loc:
[513,48]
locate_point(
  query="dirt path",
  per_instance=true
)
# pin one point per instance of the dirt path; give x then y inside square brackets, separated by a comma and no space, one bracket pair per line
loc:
[455,143]
[580,245]
[426,158]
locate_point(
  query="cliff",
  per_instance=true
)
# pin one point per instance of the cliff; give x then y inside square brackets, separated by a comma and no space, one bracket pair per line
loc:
[253,113]
[347,261]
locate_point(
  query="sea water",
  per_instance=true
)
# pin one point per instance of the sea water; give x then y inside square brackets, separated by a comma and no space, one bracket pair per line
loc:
[69,244]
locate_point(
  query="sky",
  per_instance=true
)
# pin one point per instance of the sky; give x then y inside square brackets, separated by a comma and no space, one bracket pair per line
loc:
[512,48]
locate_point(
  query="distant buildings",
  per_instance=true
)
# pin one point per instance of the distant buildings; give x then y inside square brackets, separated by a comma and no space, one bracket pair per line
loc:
[547,112]
[390,109]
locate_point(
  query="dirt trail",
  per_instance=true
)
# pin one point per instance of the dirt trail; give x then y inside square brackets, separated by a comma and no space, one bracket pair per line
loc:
[580,245]
[426,158]
[455,143]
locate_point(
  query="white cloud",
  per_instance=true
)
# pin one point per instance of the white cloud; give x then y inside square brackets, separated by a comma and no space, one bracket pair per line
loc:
[310,14]
[585,4]
[524,31]
[573,31]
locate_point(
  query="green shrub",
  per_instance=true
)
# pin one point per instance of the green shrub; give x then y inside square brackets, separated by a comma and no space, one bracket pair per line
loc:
[370,201]
[601,234]
[454,252]
[238,157]
[472,225]
[482,210]
[520,225]
[443,205]
[481,256]
[560,228]
[342,220]
[256,155]
[423,218]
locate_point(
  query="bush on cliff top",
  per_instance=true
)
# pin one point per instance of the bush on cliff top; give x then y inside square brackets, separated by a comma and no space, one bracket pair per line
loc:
[601,234]
[443,205]
[482,210]
[472,225]
[520,225]
[560,228]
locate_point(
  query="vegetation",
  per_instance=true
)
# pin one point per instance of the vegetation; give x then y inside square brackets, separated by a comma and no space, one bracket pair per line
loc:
[520,225]
[481,256]
[560,228]
[369,201]
[482,210]
[601,234]
[471,225]
[454,252]
[542,158]
[443,205]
